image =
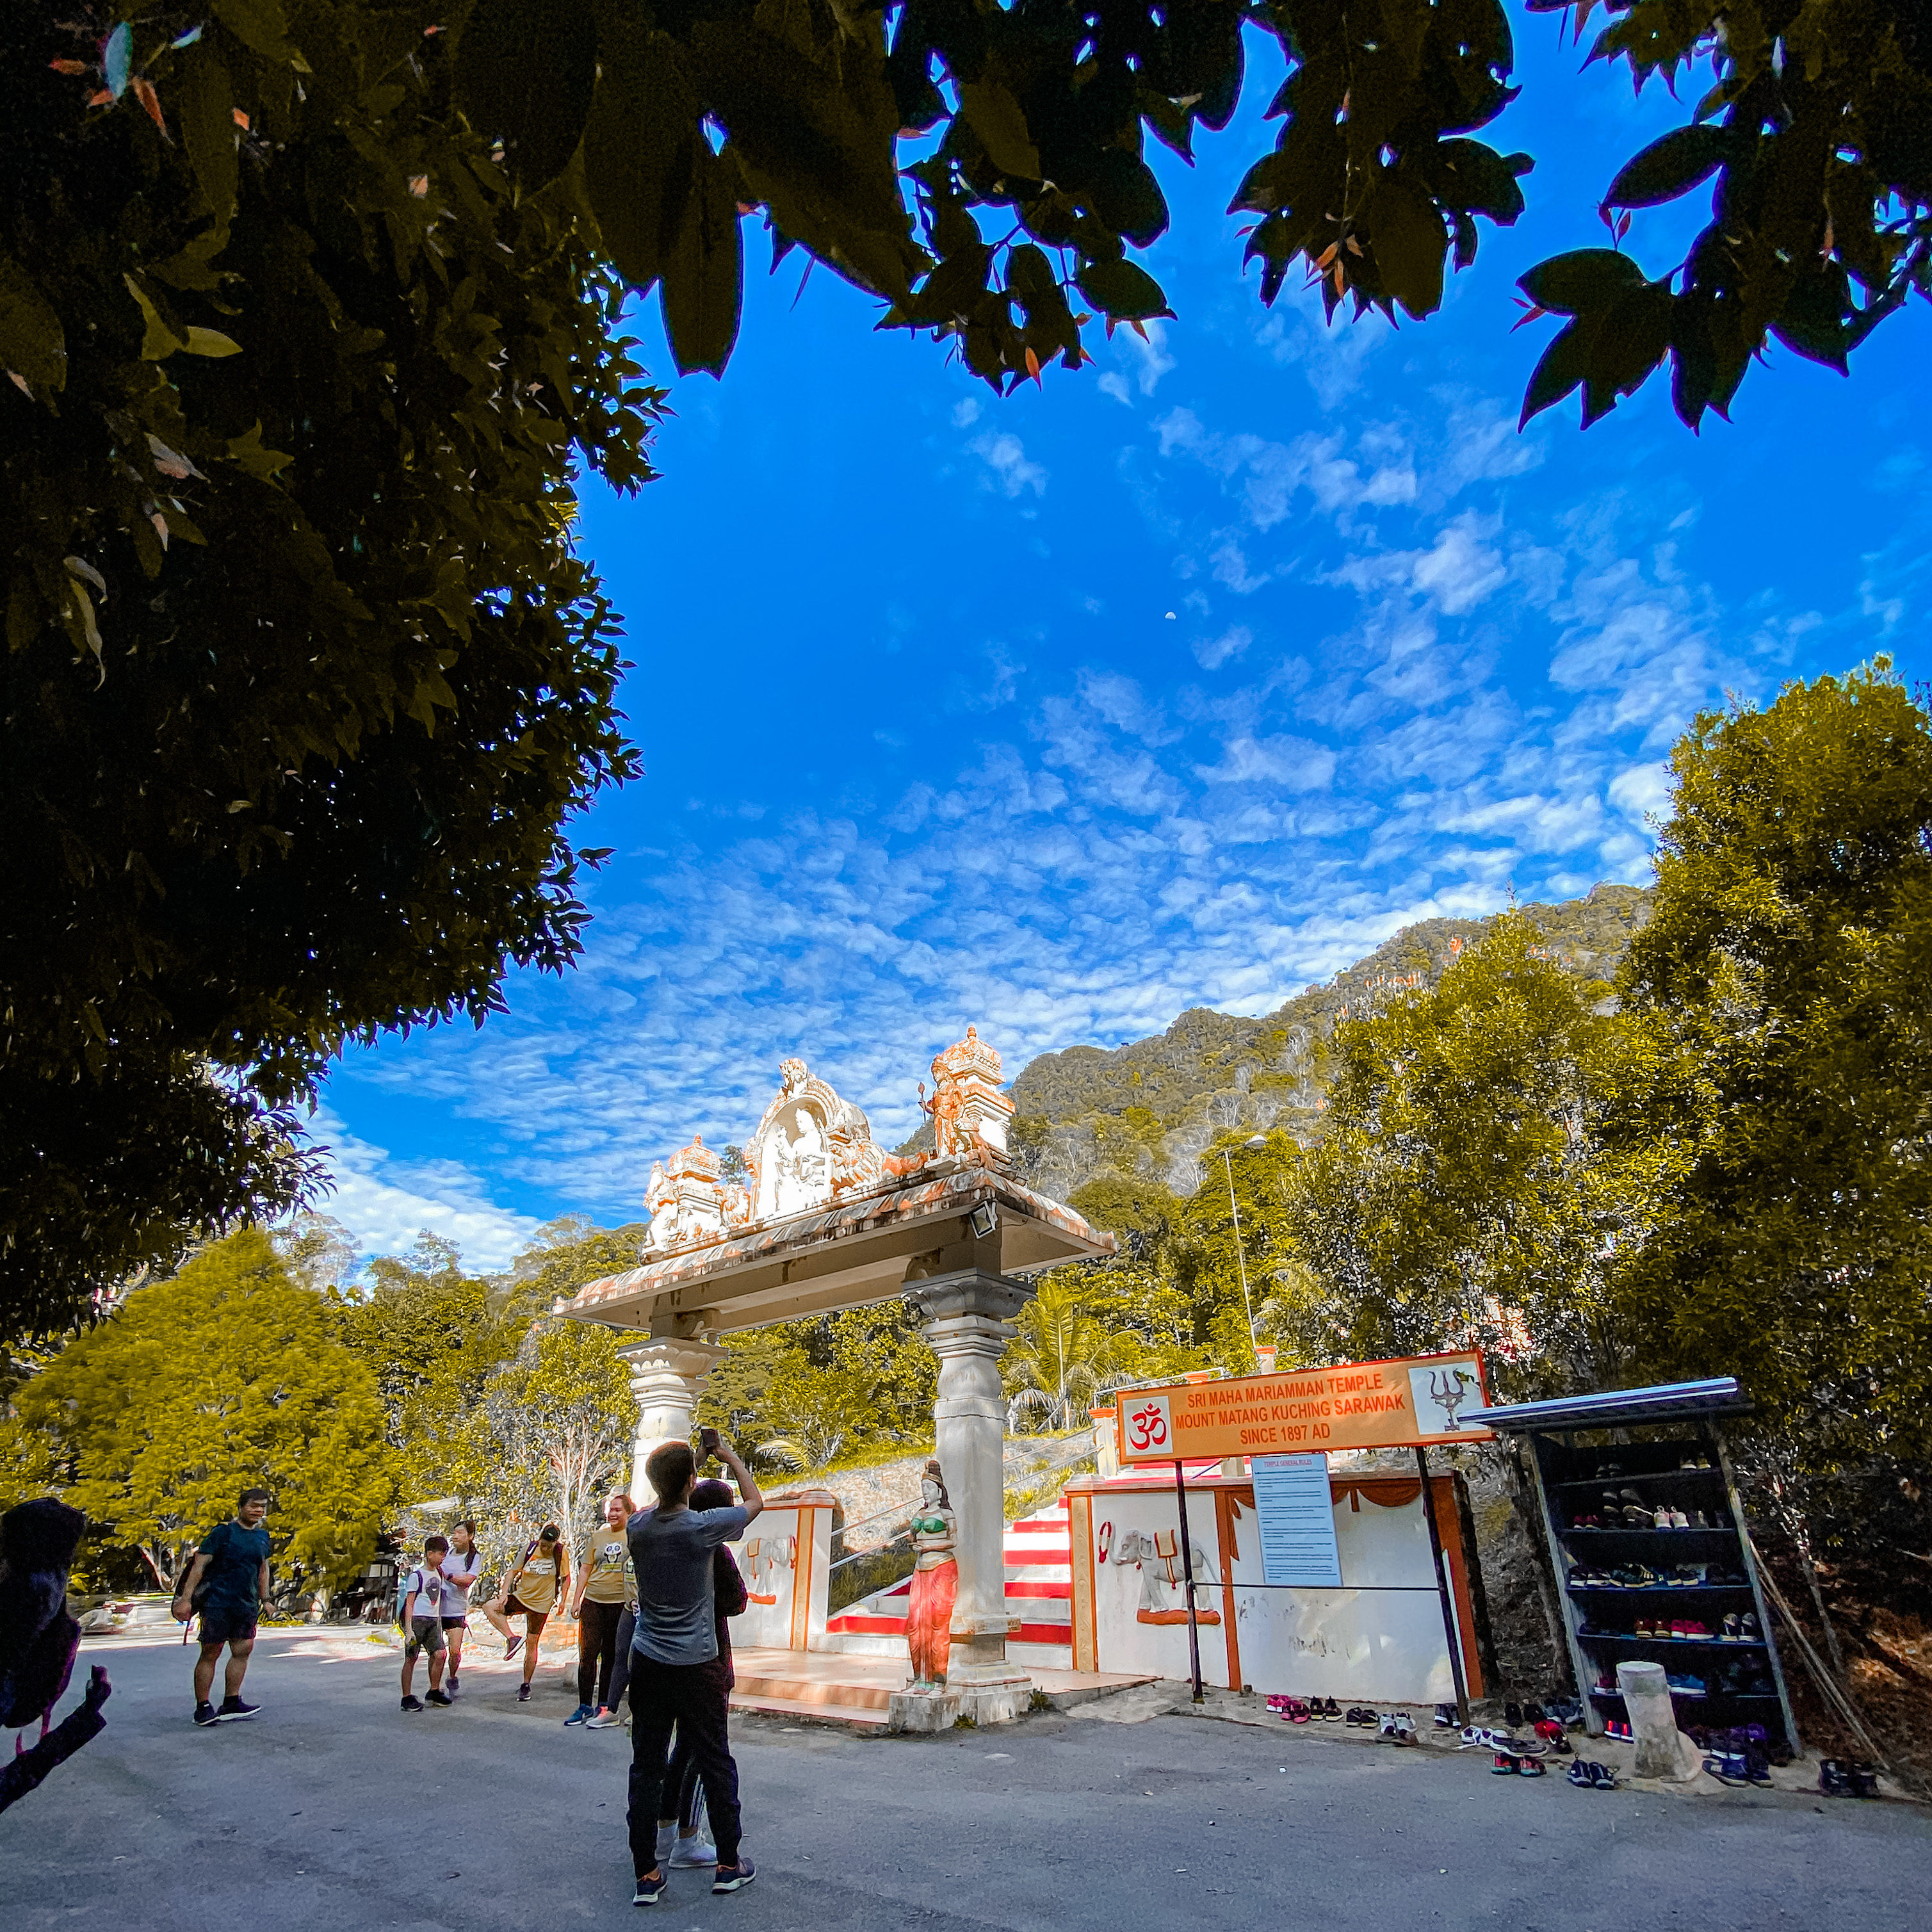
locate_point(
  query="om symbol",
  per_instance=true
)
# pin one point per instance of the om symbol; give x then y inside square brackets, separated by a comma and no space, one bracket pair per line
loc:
[1148,1428]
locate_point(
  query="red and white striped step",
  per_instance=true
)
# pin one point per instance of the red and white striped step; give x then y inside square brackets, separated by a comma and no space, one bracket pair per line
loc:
[1039,1554]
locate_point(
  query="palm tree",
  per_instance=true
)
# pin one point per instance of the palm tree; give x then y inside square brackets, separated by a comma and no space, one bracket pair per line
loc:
[813,1414]
[1054,1366]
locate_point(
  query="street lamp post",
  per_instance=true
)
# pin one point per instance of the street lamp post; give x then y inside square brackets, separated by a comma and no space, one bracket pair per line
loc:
[1240,1254]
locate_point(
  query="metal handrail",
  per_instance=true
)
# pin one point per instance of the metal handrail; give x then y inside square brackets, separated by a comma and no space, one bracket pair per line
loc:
[873,1550]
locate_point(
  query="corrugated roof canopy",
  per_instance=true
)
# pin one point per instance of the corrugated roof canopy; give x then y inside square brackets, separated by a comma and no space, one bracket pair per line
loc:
[1615,1408]
[865,1248]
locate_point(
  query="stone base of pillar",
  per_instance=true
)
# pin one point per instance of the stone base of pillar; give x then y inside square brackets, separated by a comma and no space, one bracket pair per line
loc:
[981,1704]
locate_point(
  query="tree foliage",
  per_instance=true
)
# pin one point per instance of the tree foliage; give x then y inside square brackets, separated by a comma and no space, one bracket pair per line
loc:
[552,1433]
[303,675]
[1781,1121]
[1816,132]
[1460,1195]
[229,1376]
[1023,133]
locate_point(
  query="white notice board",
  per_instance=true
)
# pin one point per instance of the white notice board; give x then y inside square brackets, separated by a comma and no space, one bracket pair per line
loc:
[1297,1521]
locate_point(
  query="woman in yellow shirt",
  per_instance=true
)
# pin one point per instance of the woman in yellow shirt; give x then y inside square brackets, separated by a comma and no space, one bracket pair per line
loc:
[602,1591]
[532,1591]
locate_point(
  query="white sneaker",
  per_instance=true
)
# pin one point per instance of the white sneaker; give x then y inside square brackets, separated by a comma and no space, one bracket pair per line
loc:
[600,1721]
[667,1839]
[695,1850]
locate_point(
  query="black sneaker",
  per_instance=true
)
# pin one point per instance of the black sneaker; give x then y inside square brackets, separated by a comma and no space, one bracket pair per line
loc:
[449,1683]
[523,1693]
[204,1714]
[235,1707]
[650,1885]
[439,1697]
[412,1703]
[734,1878]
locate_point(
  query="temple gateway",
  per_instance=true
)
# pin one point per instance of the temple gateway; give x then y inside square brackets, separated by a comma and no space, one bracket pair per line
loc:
[825,1220]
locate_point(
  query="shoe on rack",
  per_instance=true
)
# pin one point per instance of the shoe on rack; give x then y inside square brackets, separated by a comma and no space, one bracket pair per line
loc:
[581,1715]
[204,1712]
[735,1878]
[697,1849]
[232,1708]
[523,1693]
[1748,1627]
[438,1697]
[409,1704]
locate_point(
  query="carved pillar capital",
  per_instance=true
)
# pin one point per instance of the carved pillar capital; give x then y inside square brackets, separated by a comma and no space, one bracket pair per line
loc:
[668,1377]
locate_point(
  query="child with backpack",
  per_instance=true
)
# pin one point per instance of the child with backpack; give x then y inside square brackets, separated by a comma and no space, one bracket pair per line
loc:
[422,1623]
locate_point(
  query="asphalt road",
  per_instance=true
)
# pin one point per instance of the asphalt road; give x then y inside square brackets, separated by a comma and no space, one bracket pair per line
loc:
[332,1812]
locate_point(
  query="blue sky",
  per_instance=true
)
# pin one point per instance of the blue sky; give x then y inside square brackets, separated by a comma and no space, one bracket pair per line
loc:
[1181,680]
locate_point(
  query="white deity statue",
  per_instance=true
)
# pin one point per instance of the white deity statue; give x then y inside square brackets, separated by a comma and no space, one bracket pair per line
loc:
[661,1205]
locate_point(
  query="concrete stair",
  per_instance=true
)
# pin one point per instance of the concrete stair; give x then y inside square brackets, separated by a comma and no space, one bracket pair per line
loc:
[1038,1551]
[787,1693]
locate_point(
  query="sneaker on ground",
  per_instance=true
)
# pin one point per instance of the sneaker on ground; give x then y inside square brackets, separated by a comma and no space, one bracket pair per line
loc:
[438,1697]
[697,1849]
[204,1714]
[232,1708]
[523,1693]
[734,1878]
[449,1683]
[582,1714]
[604,1720]
[412,1703]
[650,1885]
[666,1840]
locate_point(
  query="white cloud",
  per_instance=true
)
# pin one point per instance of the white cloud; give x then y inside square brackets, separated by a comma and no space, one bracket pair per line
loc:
[1214,653]
[386,1203]
[1005,455]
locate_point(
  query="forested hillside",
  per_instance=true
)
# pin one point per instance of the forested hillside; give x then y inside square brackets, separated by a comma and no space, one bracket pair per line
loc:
[1150,1109]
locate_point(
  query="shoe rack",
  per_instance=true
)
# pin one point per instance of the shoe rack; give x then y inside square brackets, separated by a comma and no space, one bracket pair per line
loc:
[1645,1536]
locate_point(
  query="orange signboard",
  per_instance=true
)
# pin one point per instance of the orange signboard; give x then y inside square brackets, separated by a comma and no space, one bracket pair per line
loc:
[1414,1401]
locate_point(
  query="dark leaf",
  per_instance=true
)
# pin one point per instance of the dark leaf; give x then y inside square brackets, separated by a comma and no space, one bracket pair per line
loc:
[703,269]
[525,72]
[1126,196]
[994,114]
[1402,226]
[645,116]
[32,342]
[1670,167]
[1122,291]
[1585,278]
[1562,368]
[205,103]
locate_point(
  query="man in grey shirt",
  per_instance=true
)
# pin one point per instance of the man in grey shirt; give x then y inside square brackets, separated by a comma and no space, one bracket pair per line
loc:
[673,1684]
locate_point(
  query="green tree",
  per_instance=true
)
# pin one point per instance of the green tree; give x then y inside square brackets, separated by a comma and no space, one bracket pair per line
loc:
[432,1336]
[1022,130]
[552,1433]
[1460,1195]
[229,1376]
[1062,1355]
[1779,1115]
[303,676]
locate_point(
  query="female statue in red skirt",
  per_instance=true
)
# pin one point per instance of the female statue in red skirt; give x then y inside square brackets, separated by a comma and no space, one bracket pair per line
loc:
[935,1583]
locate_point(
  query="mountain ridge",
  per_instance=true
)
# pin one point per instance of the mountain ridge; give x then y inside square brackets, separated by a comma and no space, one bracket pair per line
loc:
[1150,1108]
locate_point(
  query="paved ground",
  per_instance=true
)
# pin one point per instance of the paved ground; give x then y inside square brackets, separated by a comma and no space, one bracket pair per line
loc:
[332,1812]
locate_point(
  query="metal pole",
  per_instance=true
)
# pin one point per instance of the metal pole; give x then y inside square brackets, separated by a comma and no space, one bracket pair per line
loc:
[1187,1573]
[1240,1255]
[1442,1587]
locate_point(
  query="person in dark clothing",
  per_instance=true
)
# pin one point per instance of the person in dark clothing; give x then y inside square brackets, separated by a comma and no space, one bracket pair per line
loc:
[671,1548]
[230,1574]
[679,1839]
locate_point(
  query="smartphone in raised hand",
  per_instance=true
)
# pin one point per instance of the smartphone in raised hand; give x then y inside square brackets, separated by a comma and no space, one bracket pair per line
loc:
[709,1444]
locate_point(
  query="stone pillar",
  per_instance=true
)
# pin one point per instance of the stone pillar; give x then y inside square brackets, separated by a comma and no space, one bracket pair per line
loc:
[966,1319]
[667,1377]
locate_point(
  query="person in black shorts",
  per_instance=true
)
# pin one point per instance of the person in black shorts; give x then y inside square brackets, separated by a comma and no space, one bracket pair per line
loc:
[226,1582]
[460,1569]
